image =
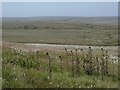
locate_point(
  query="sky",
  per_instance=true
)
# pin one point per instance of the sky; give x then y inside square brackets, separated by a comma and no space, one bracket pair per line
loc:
[60,0]
[85,9]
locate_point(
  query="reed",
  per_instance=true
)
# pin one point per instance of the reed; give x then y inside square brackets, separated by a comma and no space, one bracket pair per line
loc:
[90,58]
[113,69]
[77,63]
[98,68]
[72,55]
[67,56]
[61,65]
[102,64]
[106,66]
[88,63]
[49,66]
[37,60]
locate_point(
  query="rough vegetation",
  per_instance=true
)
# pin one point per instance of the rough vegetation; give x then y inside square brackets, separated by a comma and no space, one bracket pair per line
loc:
[68,69]
[49,67]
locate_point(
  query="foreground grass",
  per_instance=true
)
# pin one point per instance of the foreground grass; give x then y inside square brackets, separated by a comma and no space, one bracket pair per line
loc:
[0,68]
[31,70]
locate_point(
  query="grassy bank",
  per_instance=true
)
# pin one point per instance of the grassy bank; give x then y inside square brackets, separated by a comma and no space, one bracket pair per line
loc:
[68,69]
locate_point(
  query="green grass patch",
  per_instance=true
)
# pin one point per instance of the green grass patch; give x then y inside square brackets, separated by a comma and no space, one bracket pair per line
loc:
[31,70]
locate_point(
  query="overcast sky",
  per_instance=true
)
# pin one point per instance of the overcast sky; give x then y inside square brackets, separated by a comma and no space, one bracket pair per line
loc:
[30,9]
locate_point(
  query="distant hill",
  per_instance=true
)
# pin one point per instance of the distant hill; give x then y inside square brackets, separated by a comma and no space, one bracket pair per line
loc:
[62,19]
[46,22]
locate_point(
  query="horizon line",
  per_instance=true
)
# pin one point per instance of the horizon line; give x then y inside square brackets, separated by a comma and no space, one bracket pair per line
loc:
[53,16]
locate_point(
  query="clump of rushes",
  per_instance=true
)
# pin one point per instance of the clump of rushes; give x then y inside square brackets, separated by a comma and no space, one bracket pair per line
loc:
[67,56]
[77,63]
[72,63]
[61,66]
[49,66]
